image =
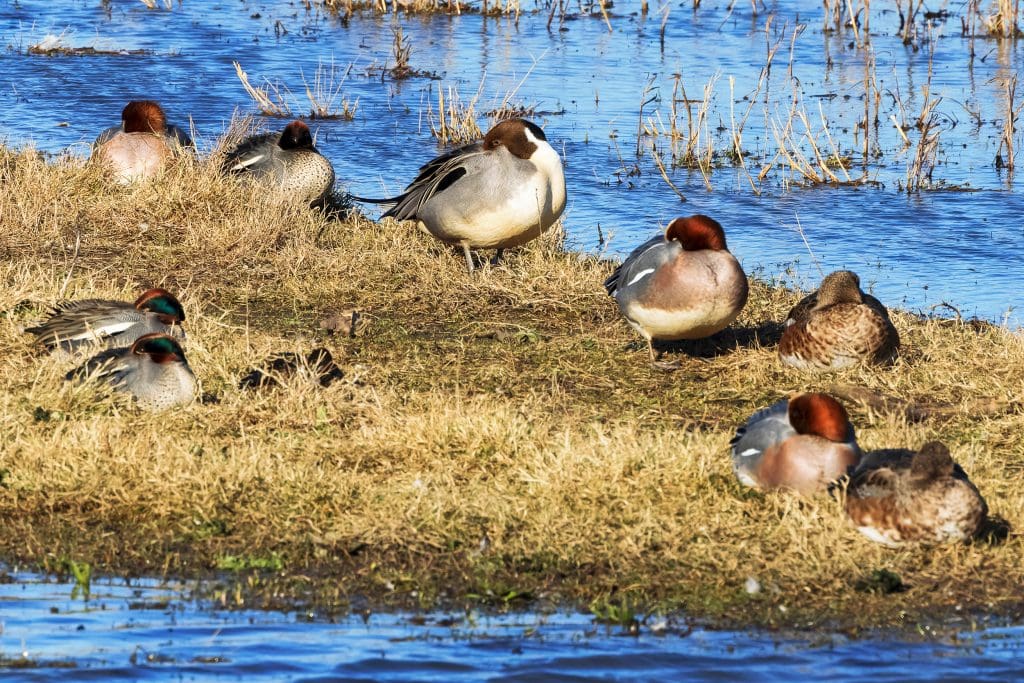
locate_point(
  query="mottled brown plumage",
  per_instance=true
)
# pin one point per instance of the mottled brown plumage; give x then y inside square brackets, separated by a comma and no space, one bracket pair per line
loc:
[897,496]
[838,326]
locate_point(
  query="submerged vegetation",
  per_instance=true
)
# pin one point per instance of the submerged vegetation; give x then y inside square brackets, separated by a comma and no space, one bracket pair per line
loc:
[496,438]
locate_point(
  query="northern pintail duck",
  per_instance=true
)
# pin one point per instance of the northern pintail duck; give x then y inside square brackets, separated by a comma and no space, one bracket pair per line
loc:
[838,326]
[802,443]
[495,194]
[898,496]
[286,159]
[73,324]
[681,285]
[153,370]
[142,145]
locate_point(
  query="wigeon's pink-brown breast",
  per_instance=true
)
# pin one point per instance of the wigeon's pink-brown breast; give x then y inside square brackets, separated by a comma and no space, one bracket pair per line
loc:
[693,280]
[135,156]
[804,463]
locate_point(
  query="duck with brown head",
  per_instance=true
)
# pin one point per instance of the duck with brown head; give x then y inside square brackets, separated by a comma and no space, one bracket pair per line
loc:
[838,326]
[897,496]
[143,145]
[287,160]
[802,444]
[87,322]
[681,285]
[495,194]
[153,370]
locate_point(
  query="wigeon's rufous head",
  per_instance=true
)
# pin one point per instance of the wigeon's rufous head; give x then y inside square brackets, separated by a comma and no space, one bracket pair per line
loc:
[163,303]
[295,135]
[143,116]
[697,232]
[840,287]
[932,461]
[820,415]
[515,135]
[161,348]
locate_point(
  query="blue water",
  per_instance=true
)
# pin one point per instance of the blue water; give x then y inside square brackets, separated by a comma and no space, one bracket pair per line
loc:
[152,631]
[917,250]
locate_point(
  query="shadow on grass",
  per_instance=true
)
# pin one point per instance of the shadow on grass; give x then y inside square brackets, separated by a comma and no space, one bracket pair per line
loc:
[725,342]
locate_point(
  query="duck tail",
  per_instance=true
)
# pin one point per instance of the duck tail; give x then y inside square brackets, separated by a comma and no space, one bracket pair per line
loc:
[370,200]
[612,283]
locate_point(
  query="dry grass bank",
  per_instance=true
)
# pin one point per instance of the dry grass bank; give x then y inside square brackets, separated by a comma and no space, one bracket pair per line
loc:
[496,437]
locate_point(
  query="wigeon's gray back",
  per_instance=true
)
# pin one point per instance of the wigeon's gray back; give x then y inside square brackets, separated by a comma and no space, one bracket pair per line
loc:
[801,444]
[495,194]
[287,160]
[764,429]
[76,324]
[682,285]
[838,326]
[897,496]
[153,370]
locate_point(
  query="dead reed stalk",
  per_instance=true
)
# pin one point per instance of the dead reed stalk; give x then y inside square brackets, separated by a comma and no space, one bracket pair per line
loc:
[325,93]
[268,98]
[1011,112]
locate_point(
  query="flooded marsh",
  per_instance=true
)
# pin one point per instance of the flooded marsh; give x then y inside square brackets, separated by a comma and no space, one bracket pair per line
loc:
[496,440]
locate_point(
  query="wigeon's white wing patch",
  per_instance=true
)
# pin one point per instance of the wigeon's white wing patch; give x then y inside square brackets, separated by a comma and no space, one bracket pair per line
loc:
[746,479]
[640,276]
[877,536]
[749,452]
[247,162]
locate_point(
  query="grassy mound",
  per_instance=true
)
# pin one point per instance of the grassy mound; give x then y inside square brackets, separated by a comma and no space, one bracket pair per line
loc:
[497,437]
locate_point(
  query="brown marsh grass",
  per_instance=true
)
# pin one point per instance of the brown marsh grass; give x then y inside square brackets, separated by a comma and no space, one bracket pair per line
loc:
[498,437]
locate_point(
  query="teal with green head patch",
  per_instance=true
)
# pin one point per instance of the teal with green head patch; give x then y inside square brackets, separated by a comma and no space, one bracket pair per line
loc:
[163,303]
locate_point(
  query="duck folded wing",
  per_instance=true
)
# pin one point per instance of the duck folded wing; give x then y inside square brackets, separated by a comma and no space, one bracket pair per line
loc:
[110,365]
[631,264]
[436,176]
[87,320]
[249,151]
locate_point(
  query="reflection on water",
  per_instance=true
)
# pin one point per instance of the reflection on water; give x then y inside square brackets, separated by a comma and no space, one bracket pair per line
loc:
[154,632]
[586,84]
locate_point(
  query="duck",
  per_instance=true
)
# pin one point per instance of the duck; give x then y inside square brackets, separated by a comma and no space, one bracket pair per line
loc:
[838,326]
[497,194]
[112,324]
[153,370]
[287,159]
[802,443]
[896,497]
[142,146]
[318,365]
[684,284]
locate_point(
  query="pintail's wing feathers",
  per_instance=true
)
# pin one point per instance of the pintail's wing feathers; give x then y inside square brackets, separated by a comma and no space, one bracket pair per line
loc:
[435,176]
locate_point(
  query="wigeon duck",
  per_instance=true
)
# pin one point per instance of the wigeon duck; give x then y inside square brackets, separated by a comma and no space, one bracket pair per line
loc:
[681,285]
[838,326]
[897,496]
[153,370]
[495,194]
[286,159]
[74,324]
[142,145]
[802,443]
